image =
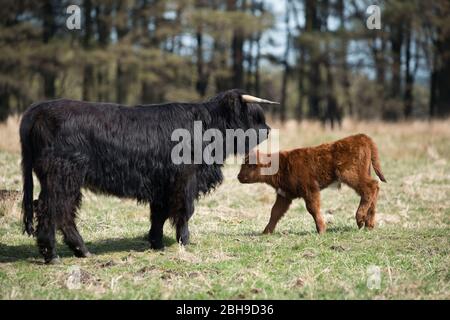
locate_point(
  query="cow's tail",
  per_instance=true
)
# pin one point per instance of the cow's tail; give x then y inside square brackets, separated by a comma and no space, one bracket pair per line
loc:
[376,161]
[27,173]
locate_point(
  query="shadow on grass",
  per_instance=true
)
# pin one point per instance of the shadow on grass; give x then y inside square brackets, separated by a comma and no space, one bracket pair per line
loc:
[337,229]
[30,251]
[332,230]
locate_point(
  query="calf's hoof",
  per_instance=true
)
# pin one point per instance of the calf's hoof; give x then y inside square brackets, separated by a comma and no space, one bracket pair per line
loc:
[370,226]
[267,231]
[360,223]
[321,229]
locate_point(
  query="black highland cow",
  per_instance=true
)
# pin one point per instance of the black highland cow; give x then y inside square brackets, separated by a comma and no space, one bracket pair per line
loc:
[121,151]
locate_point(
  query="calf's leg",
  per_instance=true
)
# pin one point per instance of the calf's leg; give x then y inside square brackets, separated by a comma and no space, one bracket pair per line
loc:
[278,210]
[312,201]
[370,218]
[358,179]
[366,189]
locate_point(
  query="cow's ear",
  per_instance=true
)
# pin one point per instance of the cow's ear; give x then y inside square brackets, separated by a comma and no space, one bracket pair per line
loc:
[234,100]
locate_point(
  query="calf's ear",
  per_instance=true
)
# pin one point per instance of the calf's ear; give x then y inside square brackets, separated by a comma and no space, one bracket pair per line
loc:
[251,157]
[264,159]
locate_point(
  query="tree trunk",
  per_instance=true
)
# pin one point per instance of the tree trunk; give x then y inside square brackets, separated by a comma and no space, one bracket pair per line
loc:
[49,30]
[409,77]
[284,83]
[441,104]
[121,97]
[237,49]
[202,78]
[250,63]
[332,113]
[4,105]
[123,73]
[257,62]
[88,70]
[103,23]
[301,84]
[396,39]
[343,52]
[379,56]
[313,26]
[433,89]
[151,94]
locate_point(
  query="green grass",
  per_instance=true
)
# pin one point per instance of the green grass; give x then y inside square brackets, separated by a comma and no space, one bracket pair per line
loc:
[228,258]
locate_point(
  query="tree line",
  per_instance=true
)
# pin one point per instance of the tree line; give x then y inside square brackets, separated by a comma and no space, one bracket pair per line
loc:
[317,56]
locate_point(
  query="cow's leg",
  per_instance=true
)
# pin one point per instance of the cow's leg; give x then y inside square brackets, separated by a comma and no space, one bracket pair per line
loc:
[186,210]
[312,201]
[61,180]
[182,223]
[74,241]
[278,210]
[182,232]
[67,225]
[68,180]
[159,215]
[46,227]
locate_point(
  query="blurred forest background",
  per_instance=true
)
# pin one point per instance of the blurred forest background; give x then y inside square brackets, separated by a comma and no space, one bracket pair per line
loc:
[317,57]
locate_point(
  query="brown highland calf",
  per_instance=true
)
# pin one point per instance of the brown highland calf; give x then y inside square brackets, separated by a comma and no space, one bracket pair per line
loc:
[304,172]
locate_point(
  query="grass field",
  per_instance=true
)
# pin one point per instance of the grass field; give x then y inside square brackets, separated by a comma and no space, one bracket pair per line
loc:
[229,259]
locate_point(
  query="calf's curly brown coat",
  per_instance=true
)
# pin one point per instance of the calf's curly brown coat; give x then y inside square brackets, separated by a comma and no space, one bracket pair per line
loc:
[304,172]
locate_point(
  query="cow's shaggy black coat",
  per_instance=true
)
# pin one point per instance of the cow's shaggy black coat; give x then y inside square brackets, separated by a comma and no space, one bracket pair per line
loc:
[122,151]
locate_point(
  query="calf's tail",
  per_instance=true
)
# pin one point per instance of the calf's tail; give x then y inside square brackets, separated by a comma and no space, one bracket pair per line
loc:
[376,161]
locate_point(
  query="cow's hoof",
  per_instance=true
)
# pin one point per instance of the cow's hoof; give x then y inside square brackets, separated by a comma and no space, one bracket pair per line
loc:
[183,241]
[54,260]
[157,246]
[81,254]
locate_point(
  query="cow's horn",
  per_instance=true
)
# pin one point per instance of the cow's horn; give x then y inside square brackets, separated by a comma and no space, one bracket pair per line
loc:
[252,99]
